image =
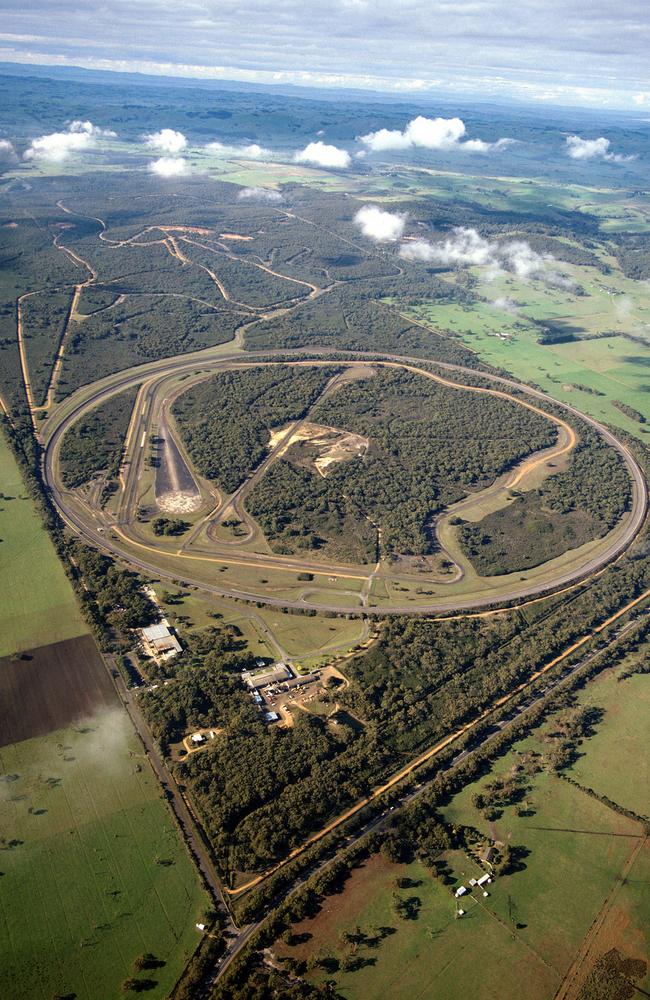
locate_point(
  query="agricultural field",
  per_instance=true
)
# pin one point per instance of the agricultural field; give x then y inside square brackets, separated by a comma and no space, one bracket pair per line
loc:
[576,881]
[605,764]
[51,687]
[600,326]
[94,874]
[39,605]
[433,954]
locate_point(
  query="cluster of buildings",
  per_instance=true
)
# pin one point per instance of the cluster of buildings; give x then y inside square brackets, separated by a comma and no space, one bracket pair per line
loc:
[474,883]
[159,642]
[270,683]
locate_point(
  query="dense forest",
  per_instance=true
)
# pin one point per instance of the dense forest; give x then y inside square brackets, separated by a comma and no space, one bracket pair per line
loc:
[44,323]
[571,508]
[353,318]
[429,445]
[94,443]
[133,329]
[225,421]
[261,790]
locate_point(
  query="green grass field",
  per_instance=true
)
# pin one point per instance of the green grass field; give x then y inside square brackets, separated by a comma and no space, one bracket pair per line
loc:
[609,311]
[436,955]
[298,636]
[97,874]
[573,851]
[37,600]
[615,762]
[577,847]
[613,366]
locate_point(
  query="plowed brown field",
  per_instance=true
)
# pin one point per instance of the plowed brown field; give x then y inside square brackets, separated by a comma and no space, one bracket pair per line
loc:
[50,687]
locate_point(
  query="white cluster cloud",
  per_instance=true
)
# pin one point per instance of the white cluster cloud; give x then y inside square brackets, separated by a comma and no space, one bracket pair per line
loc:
[249,152]
[58,146]
[505,304]
[171,144]
[379,225]
[169,166]
[321,154]
[167,141]
[259,194]
[429,133]
[7,153]
[590,149]
[467,248]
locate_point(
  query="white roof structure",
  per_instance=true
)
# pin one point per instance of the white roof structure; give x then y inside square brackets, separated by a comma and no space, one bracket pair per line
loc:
[483,879]
[157,631]
[461,890]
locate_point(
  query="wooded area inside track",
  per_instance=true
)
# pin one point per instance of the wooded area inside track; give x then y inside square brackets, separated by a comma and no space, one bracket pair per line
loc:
[94,444]
[430,444]
[574,506]
[224,421]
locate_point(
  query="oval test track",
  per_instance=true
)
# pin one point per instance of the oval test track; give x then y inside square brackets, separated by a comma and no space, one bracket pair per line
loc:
[179,365]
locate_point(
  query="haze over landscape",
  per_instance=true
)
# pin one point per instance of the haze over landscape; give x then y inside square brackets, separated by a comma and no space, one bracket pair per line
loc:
[324,542]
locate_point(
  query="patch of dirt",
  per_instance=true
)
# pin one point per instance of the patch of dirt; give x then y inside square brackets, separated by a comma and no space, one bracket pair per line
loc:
[50,687]
[321,447]
[234,236]
[179,502]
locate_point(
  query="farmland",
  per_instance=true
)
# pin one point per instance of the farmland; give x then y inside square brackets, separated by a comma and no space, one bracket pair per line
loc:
[93,871]
[577,862]
[51,687]
[39,606]
[604,358]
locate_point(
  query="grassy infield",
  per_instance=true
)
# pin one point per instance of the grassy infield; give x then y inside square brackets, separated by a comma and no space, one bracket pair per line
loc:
[578,848]
[83,889]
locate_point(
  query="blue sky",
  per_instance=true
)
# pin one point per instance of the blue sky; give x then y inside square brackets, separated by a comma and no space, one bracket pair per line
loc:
[588,52]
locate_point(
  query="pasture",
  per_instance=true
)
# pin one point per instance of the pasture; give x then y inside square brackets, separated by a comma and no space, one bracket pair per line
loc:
[609,368]
[434,955]
[37,600]
[572,848]
[93,871]
[576,861]
[614,762]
